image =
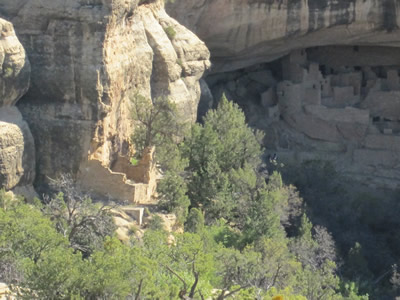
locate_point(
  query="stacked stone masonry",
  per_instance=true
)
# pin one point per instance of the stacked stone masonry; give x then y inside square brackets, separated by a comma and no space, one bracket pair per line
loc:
[312,108]
[351,106]
[89,59]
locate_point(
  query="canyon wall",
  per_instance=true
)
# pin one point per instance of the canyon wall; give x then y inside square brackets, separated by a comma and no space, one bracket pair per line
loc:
[89,58]
[319,77]
[17,151]
[243,33]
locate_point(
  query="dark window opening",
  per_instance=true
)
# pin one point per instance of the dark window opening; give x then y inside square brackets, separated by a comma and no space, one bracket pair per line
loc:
[376,119]
[322,69]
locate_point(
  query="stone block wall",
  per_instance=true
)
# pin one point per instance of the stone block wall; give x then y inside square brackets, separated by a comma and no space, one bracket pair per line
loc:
[113,185]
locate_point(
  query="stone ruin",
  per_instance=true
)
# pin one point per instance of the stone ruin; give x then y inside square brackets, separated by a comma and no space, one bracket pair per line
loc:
[313,106]
[136,184]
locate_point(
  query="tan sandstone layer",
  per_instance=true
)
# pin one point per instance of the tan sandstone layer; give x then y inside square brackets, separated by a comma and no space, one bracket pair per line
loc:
[331,91]
[17,151]
[243,33]
[89,58]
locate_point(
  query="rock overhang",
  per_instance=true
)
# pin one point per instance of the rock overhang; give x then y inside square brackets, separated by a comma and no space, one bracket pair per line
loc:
[244,33]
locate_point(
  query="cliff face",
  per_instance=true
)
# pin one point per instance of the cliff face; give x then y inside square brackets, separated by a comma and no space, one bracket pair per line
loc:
[89,57]
[247,32]
[17,151]
[320,77]
[14,66]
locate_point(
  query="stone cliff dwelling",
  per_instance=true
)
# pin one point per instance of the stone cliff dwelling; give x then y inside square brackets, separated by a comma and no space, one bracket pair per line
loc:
[66,86]
[69,79]
[337,103]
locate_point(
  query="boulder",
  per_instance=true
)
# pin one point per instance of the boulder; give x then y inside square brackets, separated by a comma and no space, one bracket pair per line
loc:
[313,127]
[17,150]
[383,104]
[346,115]
[6,293]
[353,132]
[383,142]
[14,66]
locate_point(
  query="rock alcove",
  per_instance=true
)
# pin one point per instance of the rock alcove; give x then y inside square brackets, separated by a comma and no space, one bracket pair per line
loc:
[335,103]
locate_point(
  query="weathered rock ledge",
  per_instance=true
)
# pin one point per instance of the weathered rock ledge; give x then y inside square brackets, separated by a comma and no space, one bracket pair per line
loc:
[320,77]
[17,150]
[243,33]
[89,58]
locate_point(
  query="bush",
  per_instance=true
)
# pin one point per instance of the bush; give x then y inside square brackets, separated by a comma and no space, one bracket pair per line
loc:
[157,123]
[170,31]
[134,161]
[156,223]
[195,222]
[172,189]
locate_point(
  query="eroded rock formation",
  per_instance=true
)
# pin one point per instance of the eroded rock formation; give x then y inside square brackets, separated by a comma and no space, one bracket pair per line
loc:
[88,59]
[243,33]
[320,77]
[14,66]
[17,151]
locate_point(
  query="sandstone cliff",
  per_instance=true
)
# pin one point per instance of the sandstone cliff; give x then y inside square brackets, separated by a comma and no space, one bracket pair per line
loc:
[17,151]
[14,66]
[320,77]
[88,59]
[242,33]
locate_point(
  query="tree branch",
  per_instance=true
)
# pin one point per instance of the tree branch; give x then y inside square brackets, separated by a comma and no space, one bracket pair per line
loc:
[179,277]
[232,292]
[139,290]
[196,281]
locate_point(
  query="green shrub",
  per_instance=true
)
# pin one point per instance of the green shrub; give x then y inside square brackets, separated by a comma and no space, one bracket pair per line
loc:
[8,72]
[134,161]
[170,31]
[156,223]
[195,222]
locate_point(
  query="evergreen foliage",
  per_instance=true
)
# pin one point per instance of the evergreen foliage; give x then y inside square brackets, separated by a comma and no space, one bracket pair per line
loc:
[195,221]
[156,124]
[235,242]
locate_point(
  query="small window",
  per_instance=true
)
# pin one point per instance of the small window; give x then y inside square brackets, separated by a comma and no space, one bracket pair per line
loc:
[322,69]
[376,119]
